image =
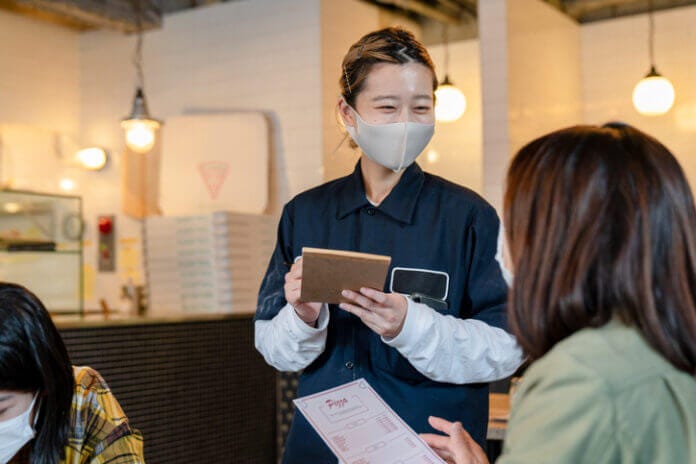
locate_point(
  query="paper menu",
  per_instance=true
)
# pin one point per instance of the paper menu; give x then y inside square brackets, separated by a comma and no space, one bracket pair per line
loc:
[360,428]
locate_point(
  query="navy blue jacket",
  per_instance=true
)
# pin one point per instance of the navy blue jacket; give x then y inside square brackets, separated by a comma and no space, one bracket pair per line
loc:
[425,222]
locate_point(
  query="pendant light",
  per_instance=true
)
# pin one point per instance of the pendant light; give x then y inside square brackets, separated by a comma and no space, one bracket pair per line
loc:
[140,128]
[654,94]
[450,102]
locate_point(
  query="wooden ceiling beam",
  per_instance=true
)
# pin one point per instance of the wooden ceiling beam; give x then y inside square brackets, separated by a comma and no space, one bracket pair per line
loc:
[119,15]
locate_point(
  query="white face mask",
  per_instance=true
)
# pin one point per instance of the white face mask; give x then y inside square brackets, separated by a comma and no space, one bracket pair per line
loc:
[508,276]
[15,433]
[394,145]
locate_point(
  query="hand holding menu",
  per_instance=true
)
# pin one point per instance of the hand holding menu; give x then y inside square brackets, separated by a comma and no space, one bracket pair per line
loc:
[325,273]
[360,428]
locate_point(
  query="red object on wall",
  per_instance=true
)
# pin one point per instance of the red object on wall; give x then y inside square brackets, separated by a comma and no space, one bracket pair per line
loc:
[105,225]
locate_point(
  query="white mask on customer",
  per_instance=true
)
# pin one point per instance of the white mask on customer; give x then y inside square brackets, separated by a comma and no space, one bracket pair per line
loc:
[394,145]
[508,276]
[15,433]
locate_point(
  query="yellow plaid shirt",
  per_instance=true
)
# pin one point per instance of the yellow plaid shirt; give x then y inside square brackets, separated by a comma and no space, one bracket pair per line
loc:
[99,429]
[100,432]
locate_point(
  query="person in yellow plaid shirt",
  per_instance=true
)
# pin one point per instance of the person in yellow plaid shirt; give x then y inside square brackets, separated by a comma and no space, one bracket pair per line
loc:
[50,411]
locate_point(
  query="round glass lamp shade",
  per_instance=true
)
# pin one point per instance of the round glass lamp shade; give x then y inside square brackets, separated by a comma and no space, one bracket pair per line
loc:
[653,95]
[92,158]
[140,134]
[450,103]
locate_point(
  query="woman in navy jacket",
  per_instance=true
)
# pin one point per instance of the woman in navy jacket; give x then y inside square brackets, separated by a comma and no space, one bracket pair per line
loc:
[422,359]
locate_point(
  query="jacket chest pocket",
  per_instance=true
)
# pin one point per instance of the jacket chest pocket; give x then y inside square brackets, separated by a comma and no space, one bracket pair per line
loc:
[426,286]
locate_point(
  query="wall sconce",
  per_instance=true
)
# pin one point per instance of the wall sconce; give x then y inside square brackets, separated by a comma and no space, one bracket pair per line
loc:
[71,154]
[92,158]
[140,127]
[450,102]
[654,94]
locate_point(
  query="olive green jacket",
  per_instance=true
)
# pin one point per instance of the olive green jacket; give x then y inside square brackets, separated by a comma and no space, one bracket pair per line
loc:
[603,396]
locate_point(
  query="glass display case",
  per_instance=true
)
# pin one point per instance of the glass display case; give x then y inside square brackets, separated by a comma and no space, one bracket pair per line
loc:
[41,246]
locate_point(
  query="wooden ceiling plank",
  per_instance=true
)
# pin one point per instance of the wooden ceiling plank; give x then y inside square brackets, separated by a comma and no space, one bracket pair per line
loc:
[118,15]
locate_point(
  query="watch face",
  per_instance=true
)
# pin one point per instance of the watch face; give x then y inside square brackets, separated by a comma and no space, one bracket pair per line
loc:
[72,226]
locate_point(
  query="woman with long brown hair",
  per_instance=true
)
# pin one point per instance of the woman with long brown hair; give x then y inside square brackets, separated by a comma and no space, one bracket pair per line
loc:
[601,228]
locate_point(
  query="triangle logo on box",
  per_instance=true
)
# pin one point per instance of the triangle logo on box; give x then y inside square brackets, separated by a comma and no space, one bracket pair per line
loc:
[214,174]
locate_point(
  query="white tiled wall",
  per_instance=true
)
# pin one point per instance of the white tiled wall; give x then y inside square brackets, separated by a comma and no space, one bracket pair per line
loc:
[492,16]
[246,55]
[458,145]
[282,56]
[260,55]
[531,80]
[543,71]
[615,57]
[39,74]
[338,157]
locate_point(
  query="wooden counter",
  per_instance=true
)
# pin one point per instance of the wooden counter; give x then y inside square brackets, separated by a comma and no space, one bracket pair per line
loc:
[498,415]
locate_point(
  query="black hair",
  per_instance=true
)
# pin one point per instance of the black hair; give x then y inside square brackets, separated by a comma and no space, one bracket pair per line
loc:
[33,359]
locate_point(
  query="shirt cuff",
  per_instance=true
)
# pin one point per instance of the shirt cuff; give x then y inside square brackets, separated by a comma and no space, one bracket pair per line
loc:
[417,318]
[299,329]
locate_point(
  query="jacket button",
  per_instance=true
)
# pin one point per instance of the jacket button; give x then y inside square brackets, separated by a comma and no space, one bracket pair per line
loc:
[349,365]
[371,211]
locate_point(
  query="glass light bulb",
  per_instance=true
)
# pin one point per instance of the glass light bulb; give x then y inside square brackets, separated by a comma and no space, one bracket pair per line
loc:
[93,158]
[432,156]
[450,103]
[67,184]
[12,207]
[140,134]
[653,95]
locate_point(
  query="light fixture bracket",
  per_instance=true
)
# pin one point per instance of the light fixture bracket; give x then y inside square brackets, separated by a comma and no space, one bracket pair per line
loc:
[653,72]
[139,109]
[446,80]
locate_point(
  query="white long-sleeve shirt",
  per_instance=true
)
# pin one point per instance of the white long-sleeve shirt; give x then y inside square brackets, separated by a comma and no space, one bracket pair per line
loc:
[442,348]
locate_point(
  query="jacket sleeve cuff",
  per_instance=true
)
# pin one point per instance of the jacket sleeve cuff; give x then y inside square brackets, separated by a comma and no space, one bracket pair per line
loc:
[298,329]
[417,319]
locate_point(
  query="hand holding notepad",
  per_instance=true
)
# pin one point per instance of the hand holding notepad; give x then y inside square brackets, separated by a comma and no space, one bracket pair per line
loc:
[325,273]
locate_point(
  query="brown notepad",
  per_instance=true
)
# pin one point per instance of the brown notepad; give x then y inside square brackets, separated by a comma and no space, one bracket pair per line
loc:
[325,273]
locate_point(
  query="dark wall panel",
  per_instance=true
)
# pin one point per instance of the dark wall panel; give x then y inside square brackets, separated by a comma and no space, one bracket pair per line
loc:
[197,390]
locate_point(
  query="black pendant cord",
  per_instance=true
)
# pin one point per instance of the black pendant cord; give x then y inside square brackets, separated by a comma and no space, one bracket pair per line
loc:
[445,41]
[138,56]
[651,35]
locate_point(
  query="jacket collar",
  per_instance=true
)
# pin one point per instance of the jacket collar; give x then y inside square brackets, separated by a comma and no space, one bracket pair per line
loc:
[399,204]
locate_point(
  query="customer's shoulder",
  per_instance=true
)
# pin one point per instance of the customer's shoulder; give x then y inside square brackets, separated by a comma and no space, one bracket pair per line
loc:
[87,378]
[615,355]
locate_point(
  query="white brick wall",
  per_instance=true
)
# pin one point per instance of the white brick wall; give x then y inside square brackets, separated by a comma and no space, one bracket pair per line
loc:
[258,55]
[543,71]
[39,74]
[254,54]
[244,55]
[615,57]
[268,55]
[336,39]
[531,80]
[459,144]
[492,16]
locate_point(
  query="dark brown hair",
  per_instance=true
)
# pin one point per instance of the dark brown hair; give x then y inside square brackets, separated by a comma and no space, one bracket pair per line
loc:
[389,45]
[601,224]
